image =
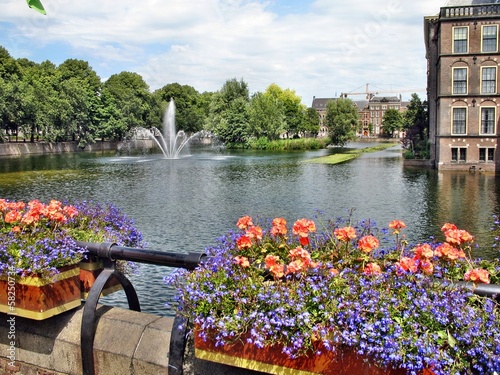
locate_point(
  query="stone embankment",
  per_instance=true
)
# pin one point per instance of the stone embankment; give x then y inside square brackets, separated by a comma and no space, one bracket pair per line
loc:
[126,342]
[23,148]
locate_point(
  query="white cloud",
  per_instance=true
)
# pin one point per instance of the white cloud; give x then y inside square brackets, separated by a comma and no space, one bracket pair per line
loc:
[326,48]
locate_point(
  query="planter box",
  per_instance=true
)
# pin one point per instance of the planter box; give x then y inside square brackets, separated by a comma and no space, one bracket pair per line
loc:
[39,298]
[89,271]
[272,360]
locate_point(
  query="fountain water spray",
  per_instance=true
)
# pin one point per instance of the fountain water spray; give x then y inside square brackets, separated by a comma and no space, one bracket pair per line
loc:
[170,141]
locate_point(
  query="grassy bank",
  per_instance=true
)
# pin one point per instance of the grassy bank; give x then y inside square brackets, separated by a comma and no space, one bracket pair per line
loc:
[288,144]
[349,154]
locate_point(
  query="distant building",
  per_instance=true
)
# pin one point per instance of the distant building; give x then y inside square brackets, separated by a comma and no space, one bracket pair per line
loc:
[463,56]
[371,112]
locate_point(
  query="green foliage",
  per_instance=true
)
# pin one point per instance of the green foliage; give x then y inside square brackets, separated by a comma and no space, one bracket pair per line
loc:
[288,144]
[228,116]
[191,106]
[416,123]
[392,121]
[266,116]
[293,109]
[341,120]
[312,121]
[130,93]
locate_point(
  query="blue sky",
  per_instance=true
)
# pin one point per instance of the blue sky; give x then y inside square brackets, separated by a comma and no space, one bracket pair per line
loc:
[317,48]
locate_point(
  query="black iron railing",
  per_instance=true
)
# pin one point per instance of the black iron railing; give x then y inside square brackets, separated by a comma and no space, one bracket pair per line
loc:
[109,253]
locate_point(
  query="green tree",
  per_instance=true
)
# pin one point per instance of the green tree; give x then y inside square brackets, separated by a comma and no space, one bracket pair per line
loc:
[191,107]
[228,116]
[266,116]
[128,100]
[294,110]
[312,121]
[392,121]
[79,87]
[416,124]
[341,120]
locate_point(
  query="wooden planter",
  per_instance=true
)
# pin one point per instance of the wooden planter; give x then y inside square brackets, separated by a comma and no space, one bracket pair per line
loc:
[40,298]
[89,271]
[272,360]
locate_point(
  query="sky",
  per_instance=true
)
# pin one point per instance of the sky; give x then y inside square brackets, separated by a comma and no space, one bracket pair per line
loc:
[318,48]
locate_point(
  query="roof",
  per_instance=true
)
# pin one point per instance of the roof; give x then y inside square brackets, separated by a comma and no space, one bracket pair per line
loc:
[385,99]
[320,103]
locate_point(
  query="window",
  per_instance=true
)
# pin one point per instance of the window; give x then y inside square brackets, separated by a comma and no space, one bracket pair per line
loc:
[489,39]
[459,120]
[488,80]
[459,80]
[460,39]
[486,154]
[458,154]
[488,120]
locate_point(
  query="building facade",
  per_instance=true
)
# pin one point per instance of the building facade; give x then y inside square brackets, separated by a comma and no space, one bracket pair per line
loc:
[463,57]
[371,113]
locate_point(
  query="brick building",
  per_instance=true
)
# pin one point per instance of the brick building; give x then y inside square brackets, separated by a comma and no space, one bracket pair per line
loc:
[463,54]
[371,112]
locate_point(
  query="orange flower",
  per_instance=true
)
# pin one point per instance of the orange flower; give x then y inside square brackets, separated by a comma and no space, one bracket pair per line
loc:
[30,217]
[12,216]
[71,211]
[254,232]
[271,260]
[448,251]
[446,227]
[334,271]
[302,227]
[368,243]
[397,225]
[16,229]
[296,266]
[372,269]
[477,275]
[427,267]
[244,242]
[276,269]
[458,237]
[345,234]
[407,264]
[244,222]
[242,261]
[424,251]
[279,227]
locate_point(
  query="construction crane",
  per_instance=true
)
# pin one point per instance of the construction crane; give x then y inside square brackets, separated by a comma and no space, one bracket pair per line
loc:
[370,94]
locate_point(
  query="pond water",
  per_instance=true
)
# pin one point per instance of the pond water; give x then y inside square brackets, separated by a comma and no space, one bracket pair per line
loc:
[185,204]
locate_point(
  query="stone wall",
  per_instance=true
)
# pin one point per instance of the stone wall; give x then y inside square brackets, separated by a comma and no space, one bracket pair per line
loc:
[21,148]
[126,342]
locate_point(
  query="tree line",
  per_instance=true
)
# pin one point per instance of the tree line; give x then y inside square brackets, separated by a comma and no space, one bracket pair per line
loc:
[70,102]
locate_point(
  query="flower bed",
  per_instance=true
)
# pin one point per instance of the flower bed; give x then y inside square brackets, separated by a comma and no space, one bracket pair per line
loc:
[37,239]
[397,304]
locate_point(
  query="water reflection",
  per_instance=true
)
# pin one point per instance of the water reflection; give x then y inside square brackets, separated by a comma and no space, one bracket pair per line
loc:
[185,204]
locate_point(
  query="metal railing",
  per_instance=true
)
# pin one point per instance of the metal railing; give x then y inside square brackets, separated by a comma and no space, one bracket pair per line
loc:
[109,253]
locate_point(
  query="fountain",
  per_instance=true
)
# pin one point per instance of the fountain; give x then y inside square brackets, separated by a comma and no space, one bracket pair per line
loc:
[168,140]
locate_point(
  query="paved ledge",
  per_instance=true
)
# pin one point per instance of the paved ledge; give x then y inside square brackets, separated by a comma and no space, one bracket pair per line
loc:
[126,342]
